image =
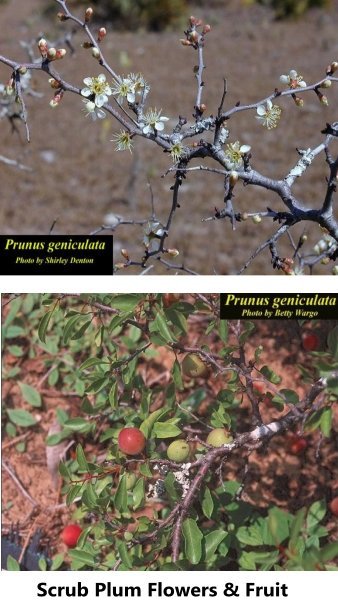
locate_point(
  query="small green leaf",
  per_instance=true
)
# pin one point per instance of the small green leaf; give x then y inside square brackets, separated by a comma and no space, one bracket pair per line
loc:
[121,495]
[163,328]
[148,423]
[57,561]
[329,552]
[81,459]
[138,493]
[163,430]
[207,503]
[192,540]
[21,417]
[43,326]
[42,564]
[270,375]
[212,541]
[123,553]
[316,513]
[30,394]
[86,557]
[326,422]
[12,564]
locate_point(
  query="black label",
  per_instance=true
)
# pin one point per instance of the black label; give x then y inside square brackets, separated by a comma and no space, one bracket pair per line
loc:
[56,255]
[279,306]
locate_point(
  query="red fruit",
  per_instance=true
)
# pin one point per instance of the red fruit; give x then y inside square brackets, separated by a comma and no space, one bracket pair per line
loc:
[310,341]
[297,445]
[70,534]
[131,441]
[334,506]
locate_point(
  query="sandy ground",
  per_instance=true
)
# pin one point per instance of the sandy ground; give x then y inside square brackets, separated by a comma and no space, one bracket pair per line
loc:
[77,176]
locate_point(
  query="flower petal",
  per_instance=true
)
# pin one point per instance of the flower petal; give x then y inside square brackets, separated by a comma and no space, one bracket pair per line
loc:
[101,78]
[100,99]
[86,92]
[88,81]
[261,111]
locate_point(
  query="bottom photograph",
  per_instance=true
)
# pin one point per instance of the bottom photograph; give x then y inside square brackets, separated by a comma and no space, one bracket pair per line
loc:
[143,432]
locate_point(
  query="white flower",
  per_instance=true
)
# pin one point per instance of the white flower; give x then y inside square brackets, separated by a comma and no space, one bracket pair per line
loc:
[268,115]
[293,80]
[93,111]
[123,141]
[234,153]
[98,87]
[176,151]
[124,88]
[139,82]
[153,121]
[153,230]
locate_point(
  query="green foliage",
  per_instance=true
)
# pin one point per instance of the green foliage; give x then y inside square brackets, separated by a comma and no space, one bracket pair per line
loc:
[136,14]
[294,8]
[107,348]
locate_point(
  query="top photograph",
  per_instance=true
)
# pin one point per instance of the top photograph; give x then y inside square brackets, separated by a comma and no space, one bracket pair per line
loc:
[202,135]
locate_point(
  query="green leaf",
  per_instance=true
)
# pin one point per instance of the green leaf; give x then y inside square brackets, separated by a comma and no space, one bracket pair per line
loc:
[73,493]
[192,540]
[30,394]
[138,493]
[57,561]
[21,417]
[277,527]
[177,319]
[148,423]
[223,330]
[82,556]
[207,503]
[113,395]
[12,564]
[123,553]
[121,495]
[270,375]
[162,327]
[89,496]
[81,459]
[250,535]
[70,327]
[91,362]
[329,552]
[316,513]
[79,425]
[332,342]
[212,541]
[126,302]
[177,375]
[296,527]
[43,326]
[54,440]
[326,422]
[163,430]
[42,564]
[13,331]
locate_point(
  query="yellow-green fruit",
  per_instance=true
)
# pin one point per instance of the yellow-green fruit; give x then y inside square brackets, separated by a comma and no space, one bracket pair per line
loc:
[193,366]
[218,437]
[178,450]
[130,480]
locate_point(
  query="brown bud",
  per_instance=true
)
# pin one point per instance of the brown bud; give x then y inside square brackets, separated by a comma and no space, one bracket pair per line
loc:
[62,17]
[332,68]
[51,53]
[43,47]
[87,44]
[54,83]
[173,252]
[125,254]
[88,14]
[192,20]
[193,36]
[206,28]
[120,265]
[185,42]
[202,108]
[233,178]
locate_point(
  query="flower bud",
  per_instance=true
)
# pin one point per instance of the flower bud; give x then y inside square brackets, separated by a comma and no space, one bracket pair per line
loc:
[120,265]
[51,53]
[56,99]
[244,216]
[335,270]
[96,53]
[324,100]
[326,84]
[185,43]
[332,68]
[60,53]
[22,70]
[172,252]
[257,219]
[206,28]
[233,178]
[192,20]
[303,239]
[125,254]
[299,101]
[102,33]
[62,17]
[87,44]
[43,47]
[325,261]
[54,83]
[193,37]
[88,14]
[202,108]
